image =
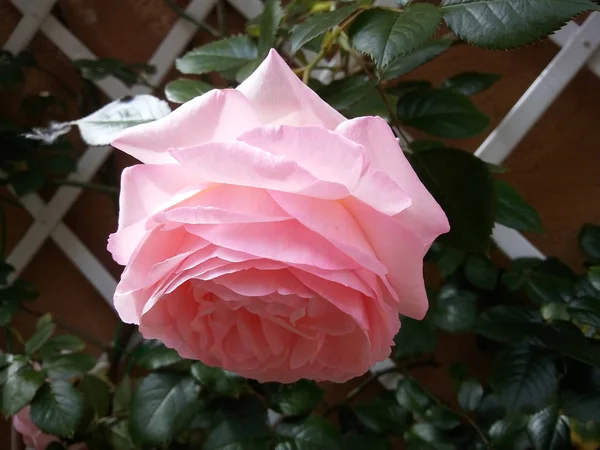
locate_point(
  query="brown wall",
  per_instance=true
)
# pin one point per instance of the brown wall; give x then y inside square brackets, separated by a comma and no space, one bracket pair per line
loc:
[556,167]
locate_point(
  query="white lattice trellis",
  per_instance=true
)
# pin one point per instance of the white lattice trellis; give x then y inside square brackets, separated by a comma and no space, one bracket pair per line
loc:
[580,47]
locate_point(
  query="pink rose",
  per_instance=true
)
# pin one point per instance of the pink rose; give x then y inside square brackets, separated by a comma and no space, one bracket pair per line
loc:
[32,436]
[268,235]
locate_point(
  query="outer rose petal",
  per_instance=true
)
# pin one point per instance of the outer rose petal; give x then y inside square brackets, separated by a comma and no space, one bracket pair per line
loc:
[279,96]
[424,217]
[216,115]
[241,164]
[400,250]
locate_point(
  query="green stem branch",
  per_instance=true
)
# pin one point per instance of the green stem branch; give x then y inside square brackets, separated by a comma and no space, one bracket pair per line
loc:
[92,186]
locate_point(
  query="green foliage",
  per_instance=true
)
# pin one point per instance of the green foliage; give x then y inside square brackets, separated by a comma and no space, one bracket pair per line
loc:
[21,383]
[294,399]
[415,337]
[589,241]
[154,355]
[99,69]
[217,380]
[226,54]
[513,210]
[455,309]
[160,407]
[57,408]
[317,25]
[269,23]
[469,83]
[385,35]
[462,185]
[504,24]
[409,62]
[185,89]
[347,92]
[312,433]
[549,430]
[523,378]
[240,423]
[441,113]
[383,415]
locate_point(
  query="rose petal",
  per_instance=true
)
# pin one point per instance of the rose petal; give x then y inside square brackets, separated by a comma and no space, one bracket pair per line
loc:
[148,188]
[216,115]
[279,96]
[323,153]
[424,216]
[332,221]
[288,242]
[400,250]
[243,165]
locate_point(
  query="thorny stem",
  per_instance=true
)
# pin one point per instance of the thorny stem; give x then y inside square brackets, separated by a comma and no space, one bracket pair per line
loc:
[184,15]
[70,329]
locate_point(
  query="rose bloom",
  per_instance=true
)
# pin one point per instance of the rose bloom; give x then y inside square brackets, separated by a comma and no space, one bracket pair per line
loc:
[32,436]
[268,235]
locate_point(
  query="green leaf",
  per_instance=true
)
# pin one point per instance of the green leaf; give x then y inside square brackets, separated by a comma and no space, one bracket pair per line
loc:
[548,288]
[43,331]
[344,93]
[442,418]
[361,441]
[424,436]
[455,309]
[481,272]
[463,187]
[122,397]
[470,394]
[21,384]
[118,435]
[383,415]
[215,380]
[469,83]
[57,408]
[404,87]
[442,113]
[184,89]
[314,433]
[448,259]
[510,433]
[160,406]
[61,344]
[416,337]
[243,425]
[371,105]
[523,378]
[67,366]
[513,211]
[589,241]
[412,397]
[582,406]
[230,53]
[585,310]
[96,394]
[594,277]
[269,22]
[155,356]
[549,430]
[504,24]
[555,311]
[416,58]
[102,126]
[294,399]
[317,25]
[385,34]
